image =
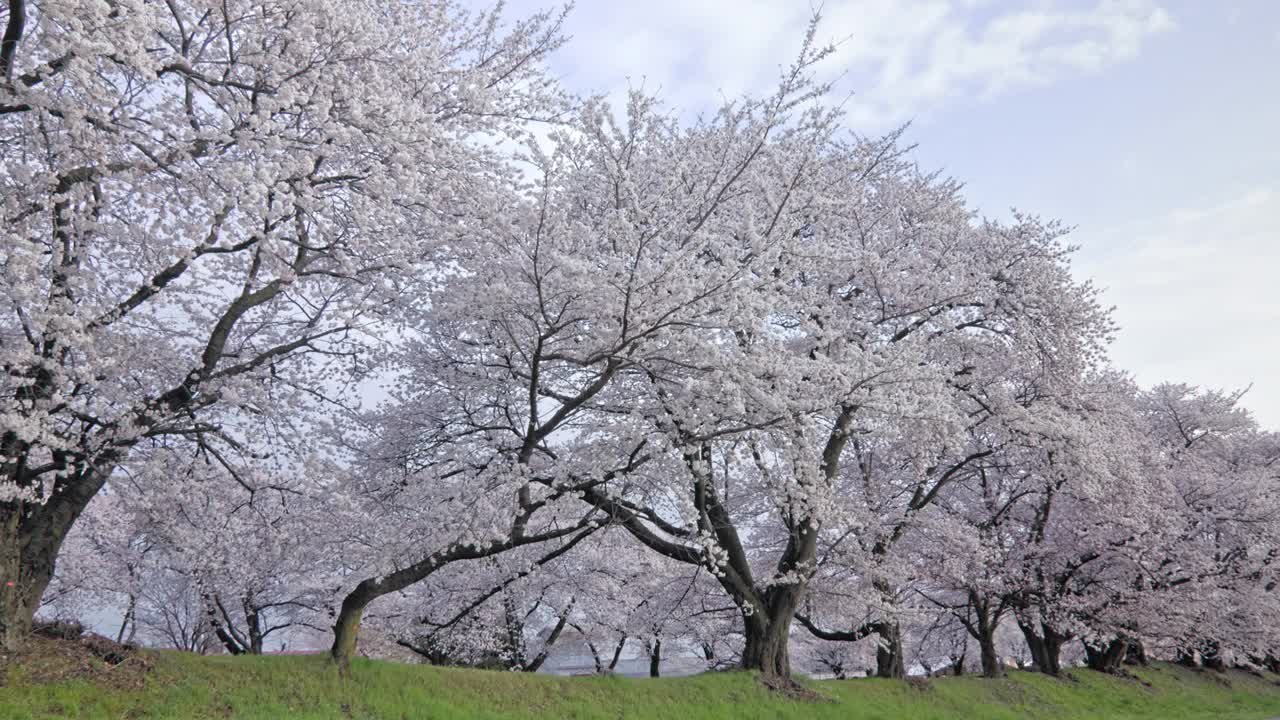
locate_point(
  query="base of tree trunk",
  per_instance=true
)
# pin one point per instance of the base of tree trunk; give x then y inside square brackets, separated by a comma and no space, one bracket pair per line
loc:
[346,631]
[767,649]
[1045,645]
[991,667]
[791,689]
[17,606]
[889,654]
[1106,658]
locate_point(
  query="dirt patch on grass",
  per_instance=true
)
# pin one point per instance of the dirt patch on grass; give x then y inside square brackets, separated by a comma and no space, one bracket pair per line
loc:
[791,689]
[919,684]
[60,654]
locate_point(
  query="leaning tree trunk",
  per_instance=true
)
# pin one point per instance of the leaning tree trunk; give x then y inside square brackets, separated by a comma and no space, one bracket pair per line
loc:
[30,537]
[346,629]
[617,652]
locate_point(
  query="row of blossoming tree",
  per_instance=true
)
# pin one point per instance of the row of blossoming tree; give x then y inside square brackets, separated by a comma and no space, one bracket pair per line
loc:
[343,315]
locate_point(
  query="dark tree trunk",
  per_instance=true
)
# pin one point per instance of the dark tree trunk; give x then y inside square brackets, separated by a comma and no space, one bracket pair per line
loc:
[347,625]
[655,657]
[617,652]
[30,537]
[542,656]
[767,642]
[957,666]
[22,581]
[767,647]
[128,622]
[1106,658]
[990,658]
[253,619]
[1185,657]
[1045,645]
[889,655]
[1211,656]
[346,628]
[1035,644]
[1136,653]
[596,660]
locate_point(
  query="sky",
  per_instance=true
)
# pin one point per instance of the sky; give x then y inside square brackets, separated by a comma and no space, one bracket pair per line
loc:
[1150,127]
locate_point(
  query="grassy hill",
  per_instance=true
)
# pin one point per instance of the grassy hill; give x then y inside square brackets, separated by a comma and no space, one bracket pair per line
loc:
[179,685]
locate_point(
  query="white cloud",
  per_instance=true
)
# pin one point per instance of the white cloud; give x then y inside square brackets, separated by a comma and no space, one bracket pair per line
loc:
[1198,295]
[922,60]
[904,57]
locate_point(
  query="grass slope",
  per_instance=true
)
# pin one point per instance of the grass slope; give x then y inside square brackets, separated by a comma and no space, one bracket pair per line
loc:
[180,685]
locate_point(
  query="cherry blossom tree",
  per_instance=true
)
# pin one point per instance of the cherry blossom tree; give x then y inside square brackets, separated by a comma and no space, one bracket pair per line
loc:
[204,204]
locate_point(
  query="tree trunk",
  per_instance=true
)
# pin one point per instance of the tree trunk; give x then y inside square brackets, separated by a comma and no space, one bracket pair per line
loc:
[536,664]
[16,584]
[655,657]
[1136,654]
[981,620]
[957,667]
[1211,656]
[617,652]
[346,629]
[128,621]
[1105,658]
[254,620]
[595,657]
[29,541]
[767,648]
[889,655]
[596,660]
[1045,645]
[990,658]
[31,536]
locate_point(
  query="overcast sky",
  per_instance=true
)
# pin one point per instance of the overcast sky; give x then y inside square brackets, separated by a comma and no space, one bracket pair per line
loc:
[1151,127]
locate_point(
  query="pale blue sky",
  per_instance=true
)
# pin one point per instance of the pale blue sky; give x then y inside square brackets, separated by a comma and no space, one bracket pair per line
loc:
[1150,126]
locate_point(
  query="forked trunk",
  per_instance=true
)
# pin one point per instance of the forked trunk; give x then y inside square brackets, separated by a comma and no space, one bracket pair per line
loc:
[1105,658]
[1045,645]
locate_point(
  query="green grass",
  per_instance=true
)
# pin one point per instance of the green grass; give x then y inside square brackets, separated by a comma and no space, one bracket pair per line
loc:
[188,686]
